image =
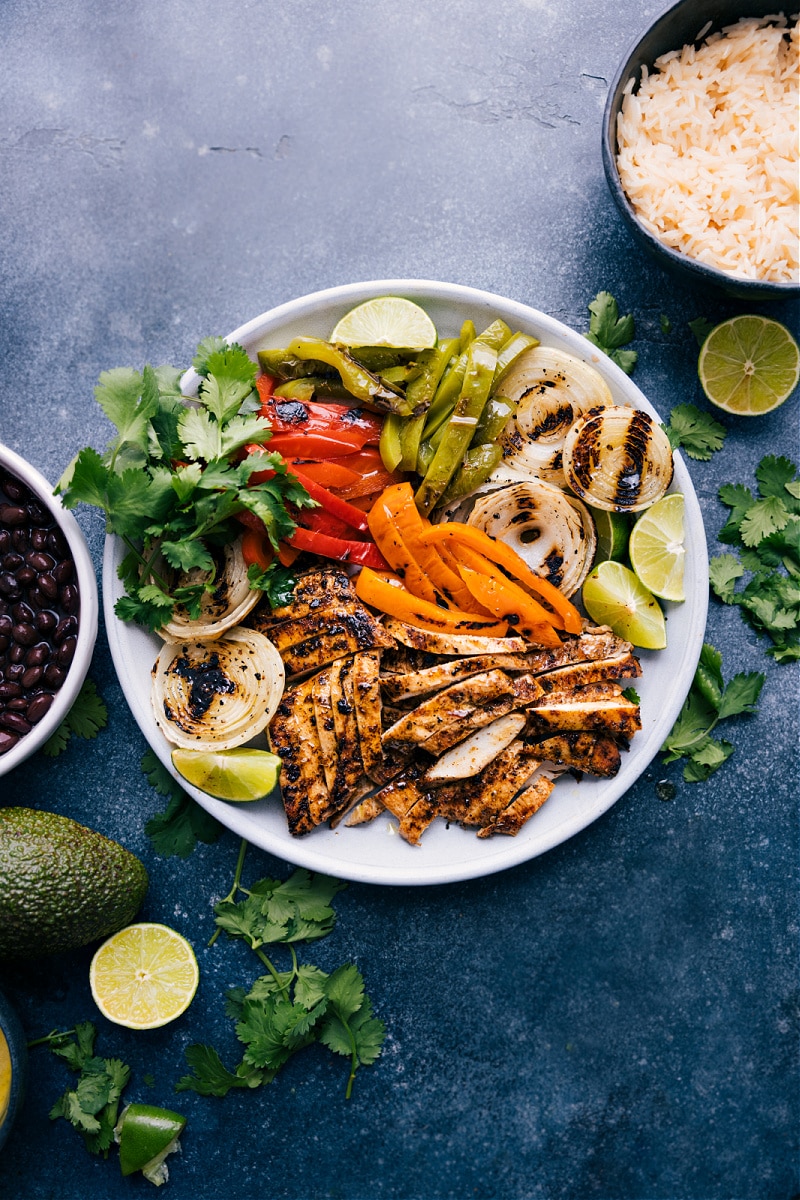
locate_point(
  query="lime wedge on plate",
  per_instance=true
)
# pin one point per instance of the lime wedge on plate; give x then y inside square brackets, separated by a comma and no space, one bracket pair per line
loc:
[144,976]
[612,595]
[613,529]
[146,1135]
[386,321]
[749,365]
[240,774]
[656,548]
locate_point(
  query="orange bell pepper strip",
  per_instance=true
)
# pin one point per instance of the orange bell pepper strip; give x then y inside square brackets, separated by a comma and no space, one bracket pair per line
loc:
[510,603]
[399,499]
[394,549]
[498,552]
[540,615]
[382,591]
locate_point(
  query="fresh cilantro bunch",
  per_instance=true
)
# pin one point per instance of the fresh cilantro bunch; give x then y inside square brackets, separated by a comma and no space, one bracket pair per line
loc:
[285,1011]
[710,701]
[610,332]
[92,1105]
[764,530]
[183,824]
[177,473]
[696,431]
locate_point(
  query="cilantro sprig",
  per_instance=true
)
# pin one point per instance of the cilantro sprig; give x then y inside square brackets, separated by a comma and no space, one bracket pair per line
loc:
[286,1010]
[610,332]
[710,700]
[696,431]
[764,530]
[87,716]
[177,830]
[176,475]
[92,1105]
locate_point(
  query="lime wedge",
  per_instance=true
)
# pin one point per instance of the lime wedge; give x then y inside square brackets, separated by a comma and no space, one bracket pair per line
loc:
[749,365]
[146,1135]
[386,321]
[613,529]
[144,976]
[612,595]
[240,774]
[656,548]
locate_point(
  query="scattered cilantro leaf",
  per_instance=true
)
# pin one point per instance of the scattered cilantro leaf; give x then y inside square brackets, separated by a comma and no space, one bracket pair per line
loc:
[87,716]
[610,332]
[92,1105]
[665,323]
[710,700]
[763,528]
[285,1011]
[183,824]
[696,431]
[701,327]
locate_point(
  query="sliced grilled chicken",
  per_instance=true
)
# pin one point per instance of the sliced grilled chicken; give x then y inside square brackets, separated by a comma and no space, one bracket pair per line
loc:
[315,589]
[596,754]
[293,736]
[349,766]
[617,716]
[339,636]
[469,757]
[367,695]
[446,643]
[520,810]
[325,721]
[405,798]
[579,675]
[452,704]
[476,802]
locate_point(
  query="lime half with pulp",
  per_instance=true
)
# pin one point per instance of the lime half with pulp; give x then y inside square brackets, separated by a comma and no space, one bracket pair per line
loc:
[144,976]
[749,365]
[612,595]
[389,321]
[657,550]
[239,774]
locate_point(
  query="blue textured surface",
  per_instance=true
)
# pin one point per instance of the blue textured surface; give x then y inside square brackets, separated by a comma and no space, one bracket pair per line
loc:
[617,1019]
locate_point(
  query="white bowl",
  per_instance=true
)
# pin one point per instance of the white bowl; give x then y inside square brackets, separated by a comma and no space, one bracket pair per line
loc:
[373,853]
[29,743]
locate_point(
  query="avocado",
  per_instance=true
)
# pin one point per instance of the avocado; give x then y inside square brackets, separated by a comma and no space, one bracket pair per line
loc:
[62,885]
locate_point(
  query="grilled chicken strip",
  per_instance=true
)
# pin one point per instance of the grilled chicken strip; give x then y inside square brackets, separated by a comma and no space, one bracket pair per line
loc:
[325,721]
[349,766]
[456,643]
[478,801]
[452,704]
[293,736]
[578,675]
[616,716]
[405,798]
[594,753]
[319,588]
[367,696]
[520,810]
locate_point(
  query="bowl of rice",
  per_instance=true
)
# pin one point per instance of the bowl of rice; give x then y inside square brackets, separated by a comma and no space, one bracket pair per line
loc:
[700,145]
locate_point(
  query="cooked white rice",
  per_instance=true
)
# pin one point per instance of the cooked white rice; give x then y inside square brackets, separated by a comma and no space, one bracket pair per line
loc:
[708,149]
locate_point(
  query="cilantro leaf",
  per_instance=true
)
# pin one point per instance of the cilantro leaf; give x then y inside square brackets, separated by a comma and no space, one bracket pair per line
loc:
[609,331]
[701,327]
[92,1105]
[87,716]
[177,830]
[210,1075]
[696,431]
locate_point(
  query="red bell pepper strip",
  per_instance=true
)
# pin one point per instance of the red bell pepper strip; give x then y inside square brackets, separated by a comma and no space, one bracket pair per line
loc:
[330,474]
[365,553]
[315,445]
[256,549]
[314,416]
[337,507]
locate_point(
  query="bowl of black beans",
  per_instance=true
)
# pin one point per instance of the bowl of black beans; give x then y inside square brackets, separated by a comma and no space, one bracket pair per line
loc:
[48,610]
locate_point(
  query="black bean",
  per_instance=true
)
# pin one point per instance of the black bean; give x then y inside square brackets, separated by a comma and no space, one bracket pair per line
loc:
[66,651]
[64,571]
[68,596]
[14,672]
[38,655]
[4,643]
[39,539]
[31,677]
[9,586]
[19,540]
[15,489]
[14,722]
[9,691]
[24,633]
[38,599]
[18,704]
[40,561]
[25,576]
[11,561]
[22,612]
[8,741]
[13,514]
[16,652]
[47,584]
[6,624]
[65,626]
[39,705]
[54,675]
[57,544]
[5,541]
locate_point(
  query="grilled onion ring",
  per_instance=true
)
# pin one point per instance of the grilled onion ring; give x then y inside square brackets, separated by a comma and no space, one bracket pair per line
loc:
[551,390]
[618,459]
[216,694]
[227,605]
[553,532]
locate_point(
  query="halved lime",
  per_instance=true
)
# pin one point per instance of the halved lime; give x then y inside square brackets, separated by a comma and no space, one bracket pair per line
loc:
[144,976]
[613,529]
[656,548]
[146,1135]
[386,321]
[612,595]
[749,365]
[240,774]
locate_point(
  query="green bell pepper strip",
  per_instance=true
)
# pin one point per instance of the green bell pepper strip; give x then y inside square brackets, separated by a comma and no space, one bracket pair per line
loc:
[481,362]
[420,393]
[497,412]
[360,383]
[509,353]
[281,364]
[468,334]
[424,457]
[478,464]
[307,388]
[391,444]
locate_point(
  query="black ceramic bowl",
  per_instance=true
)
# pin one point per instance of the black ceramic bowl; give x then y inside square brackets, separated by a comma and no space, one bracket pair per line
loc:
[676,27]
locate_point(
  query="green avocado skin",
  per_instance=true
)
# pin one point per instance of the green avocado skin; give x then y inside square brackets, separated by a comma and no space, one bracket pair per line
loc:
[62,885]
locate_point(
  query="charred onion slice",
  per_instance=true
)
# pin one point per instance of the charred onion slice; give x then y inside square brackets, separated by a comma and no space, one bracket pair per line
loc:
[219,693]
[619,459]
[553,532]
[551,390]
[226,605]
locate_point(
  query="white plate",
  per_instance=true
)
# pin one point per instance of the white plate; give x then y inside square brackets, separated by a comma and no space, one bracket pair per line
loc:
[375,853]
